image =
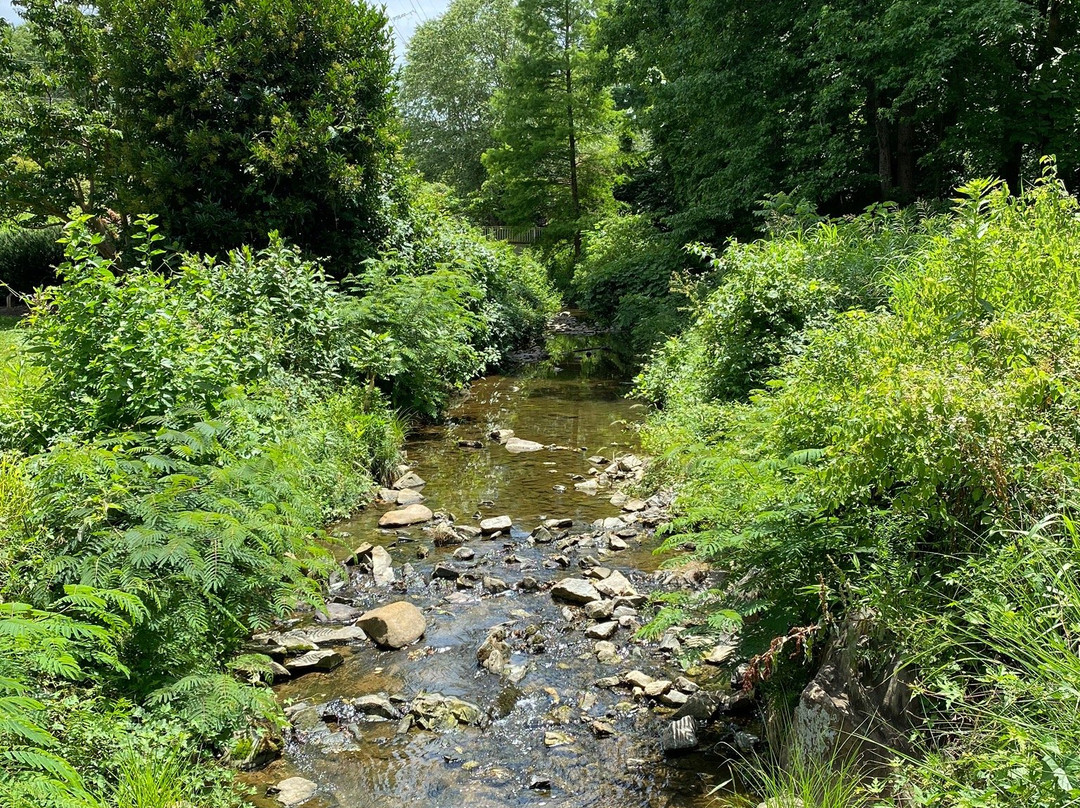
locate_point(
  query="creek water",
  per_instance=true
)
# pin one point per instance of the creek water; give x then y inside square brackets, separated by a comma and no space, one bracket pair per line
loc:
[576,399]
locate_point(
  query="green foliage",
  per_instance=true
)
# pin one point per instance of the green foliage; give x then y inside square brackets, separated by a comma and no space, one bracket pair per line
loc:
[999,669]
[226,119]
[557,155]
[625,277]
[893,454]
[28,258]
[453,66]
[850,102]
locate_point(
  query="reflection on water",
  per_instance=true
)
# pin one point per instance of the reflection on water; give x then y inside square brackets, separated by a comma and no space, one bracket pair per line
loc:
[575,400]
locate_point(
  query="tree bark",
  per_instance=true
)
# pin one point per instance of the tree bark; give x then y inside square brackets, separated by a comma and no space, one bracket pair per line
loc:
[575,197]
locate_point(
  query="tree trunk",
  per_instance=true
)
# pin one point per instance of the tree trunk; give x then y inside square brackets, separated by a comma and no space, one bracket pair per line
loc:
[884,143]
[575,197]
[905,153]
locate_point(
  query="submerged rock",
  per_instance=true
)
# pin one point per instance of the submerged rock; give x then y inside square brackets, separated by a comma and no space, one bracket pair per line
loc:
[394,625]
[501,435]
[293,791]
[434,711]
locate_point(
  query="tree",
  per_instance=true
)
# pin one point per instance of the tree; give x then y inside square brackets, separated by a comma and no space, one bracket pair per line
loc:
[453,66]
[228,119]
[57,133]
[849,102]
[557,156]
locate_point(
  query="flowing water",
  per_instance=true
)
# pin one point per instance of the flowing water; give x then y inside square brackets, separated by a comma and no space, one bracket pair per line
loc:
[575,399]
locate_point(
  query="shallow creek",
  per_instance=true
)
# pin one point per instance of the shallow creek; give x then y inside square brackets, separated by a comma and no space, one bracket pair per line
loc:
[574,399]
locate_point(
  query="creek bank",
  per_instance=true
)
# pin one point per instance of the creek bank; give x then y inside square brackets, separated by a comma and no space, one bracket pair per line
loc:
[572,704]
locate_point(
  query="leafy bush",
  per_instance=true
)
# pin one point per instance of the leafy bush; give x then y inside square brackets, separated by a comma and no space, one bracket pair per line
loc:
[625,278]
[28,258]
[893,455]
[769,293]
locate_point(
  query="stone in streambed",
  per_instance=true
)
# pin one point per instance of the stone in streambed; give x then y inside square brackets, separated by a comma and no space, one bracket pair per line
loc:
[409,480]
[519,446]
[464,554]
[382,566]
[403,517]
[445,535]
[615,586]
[408,496]
[434,711]
[293,791]
[501,435]
[599,610]
[496,524]
[394,625]
[575,590]
[313,661]
[680,735]
[337,613]
[494,653]
[721,653]
[602,631]
[376,706]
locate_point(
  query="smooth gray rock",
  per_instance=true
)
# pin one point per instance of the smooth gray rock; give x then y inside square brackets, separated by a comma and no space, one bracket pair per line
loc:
[403,517]
[495,524]
[575,590]
[313,661]
[293,791]
[409,479]
[519,446]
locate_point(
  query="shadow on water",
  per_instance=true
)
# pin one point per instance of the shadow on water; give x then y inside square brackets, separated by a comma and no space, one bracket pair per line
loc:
[576,399]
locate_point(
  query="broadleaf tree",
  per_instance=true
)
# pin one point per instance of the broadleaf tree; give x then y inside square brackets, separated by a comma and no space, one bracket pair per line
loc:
[453,66]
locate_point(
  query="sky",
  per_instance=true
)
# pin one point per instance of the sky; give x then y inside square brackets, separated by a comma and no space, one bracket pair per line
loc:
[404,16]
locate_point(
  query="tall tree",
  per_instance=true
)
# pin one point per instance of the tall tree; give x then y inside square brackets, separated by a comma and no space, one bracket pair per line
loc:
[453,66]
[557,156]
[227,119]
[847,101]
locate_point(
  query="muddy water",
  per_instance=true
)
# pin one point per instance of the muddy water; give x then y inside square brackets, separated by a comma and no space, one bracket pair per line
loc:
[577,400]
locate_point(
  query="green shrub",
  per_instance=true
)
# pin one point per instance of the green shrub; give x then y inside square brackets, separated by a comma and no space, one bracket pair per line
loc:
[890,460]
[625,278]
[28,258]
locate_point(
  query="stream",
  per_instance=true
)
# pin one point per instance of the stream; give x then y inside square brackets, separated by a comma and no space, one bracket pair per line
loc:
[548,735]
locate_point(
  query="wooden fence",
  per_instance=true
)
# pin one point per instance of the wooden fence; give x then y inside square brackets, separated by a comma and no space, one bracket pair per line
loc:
[514,235]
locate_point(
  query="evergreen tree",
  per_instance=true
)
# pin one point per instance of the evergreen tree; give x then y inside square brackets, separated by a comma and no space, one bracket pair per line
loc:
[557,156]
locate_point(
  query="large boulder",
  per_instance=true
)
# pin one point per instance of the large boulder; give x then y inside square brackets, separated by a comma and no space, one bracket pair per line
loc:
[394,625]
[403,517]
[519,446]
[575,590]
